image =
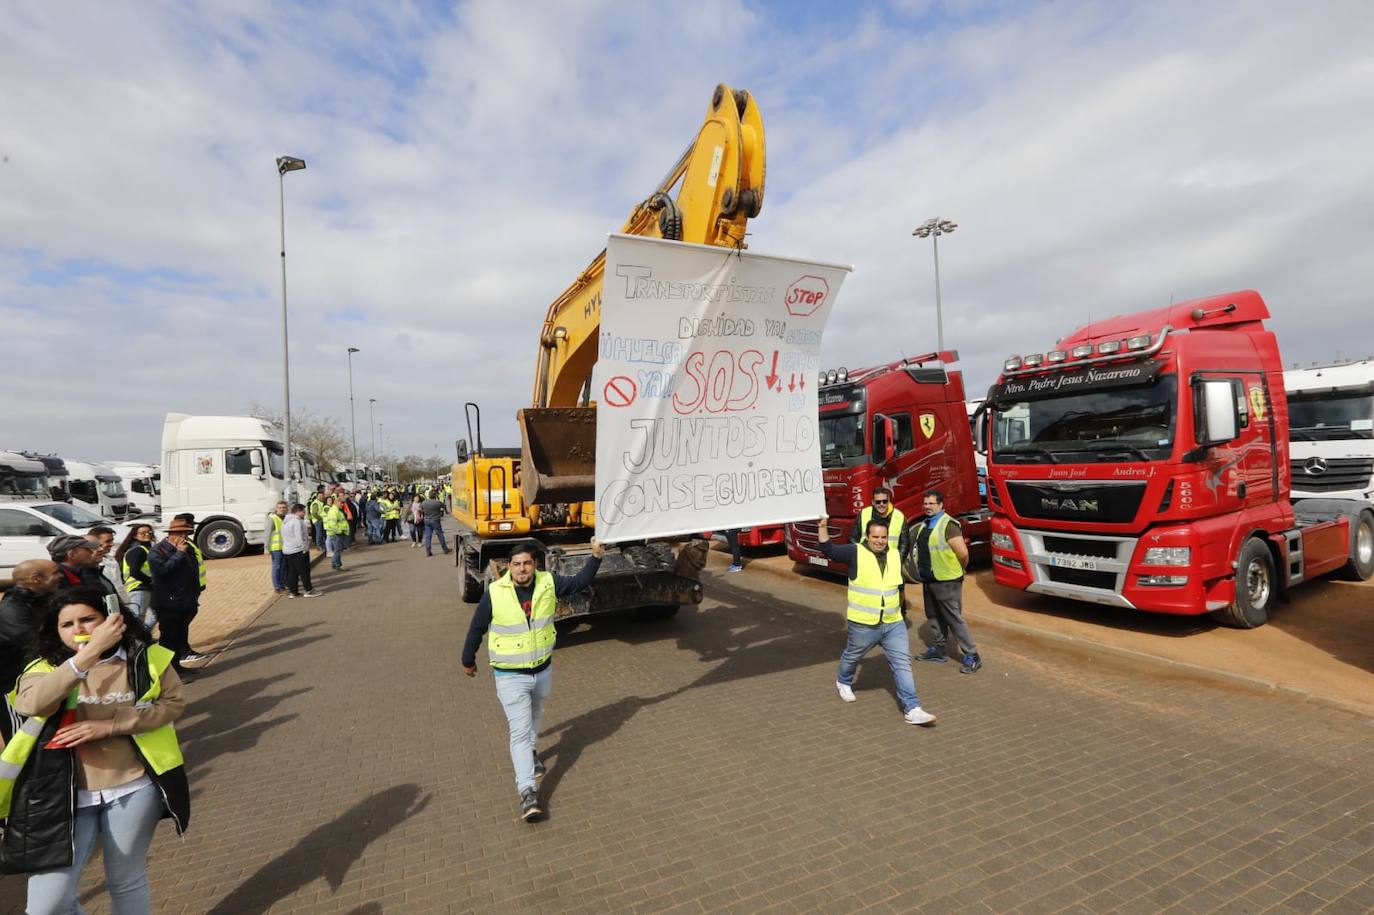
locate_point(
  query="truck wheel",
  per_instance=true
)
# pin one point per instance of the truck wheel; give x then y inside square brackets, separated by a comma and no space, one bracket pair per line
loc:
[220,540]
[1361,565]
[1256,588]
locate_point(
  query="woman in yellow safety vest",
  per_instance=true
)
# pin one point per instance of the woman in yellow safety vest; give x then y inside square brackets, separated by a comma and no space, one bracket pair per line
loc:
[335,531]
[132,558]
[96,759]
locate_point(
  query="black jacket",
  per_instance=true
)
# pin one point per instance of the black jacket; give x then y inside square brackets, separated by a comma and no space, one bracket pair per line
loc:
[19,613]
[176,578]
[41,830]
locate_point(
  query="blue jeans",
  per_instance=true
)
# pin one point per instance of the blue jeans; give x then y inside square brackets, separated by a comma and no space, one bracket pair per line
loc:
[336,548]
[139,602]
[124,828]
[896,645]
[522,697]
[319,534]
[278,570]
[431,529]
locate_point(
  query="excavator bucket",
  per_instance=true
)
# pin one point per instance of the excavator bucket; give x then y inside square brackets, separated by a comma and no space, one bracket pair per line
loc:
[557,454]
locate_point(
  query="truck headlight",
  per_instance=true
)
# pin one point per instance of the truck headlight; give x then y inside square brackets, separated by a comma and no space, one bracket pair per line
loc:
[1168,556]
[1002,541]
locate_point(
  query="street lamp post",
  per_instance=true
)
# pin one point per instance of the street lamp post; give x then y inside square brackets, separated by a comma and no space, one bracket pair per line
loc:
[381,440]
[352,424]
[285,164]
[372,429]
[933,229]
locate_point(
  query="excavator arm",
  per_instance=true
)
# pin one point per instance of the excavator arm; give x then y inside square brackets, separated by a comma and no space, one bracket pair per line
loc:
[719,181]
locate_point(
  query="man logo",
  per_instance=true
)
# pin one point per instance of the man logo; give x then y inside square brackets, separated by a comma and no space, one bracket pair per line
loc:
[1314,467]
[1068,505]
[928,424]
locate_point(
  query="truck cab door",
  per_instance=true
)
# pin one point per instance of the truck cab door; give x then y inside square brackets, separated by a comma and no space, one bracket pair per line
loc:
[1239,473]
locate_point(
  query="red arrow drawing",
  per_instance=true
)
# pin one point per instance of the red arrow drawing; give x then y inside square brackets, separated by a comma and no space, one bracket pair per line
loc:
[771,379]
[801,382]
[791,382]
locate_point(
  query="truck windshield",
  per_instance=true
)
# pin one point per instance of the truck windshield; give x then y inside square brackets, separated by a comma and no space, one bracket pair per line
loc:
[842,439]
[112,489]
[276,459]
[70,515]
[1121,424]
[1323,416]
[16,484]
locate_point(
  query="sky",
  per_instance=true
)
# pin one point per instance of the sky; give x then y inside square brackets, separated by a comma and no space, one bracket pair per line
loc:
[466,161]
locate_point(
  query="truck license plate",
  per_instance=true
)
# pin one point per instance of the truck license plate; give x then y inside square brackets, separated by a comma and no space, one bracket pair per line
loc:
[818,560]
[1073,562]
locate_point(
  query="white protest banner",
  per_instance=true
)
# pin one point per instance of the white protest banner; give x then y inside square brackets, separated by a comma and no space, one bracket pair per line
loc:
[705,385]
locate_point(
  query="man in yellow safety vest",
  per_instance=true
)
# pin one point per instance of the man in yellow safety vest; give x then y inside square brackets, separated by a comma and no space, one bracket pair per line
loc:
[518,611]
[937,560]
[874,614]
[273,547]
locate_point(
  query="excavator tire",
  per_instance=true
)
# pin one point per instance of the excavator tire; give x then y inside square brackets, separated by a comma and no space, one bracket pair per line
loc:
[1257,588]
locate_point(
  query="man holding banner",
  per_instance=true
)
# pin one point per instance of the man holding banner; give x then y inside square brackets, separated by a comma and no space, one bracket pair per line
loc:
[874,614]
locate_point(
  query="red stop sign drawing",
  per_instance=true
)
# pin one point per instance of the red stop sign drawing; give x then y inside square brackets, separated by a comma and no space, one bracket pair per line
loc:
[806,295]
[620,391]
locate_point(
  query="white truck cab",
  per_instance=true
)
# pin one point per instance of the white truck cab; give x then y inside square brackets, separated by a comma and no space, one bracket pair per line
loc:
[228,471]
[1331,429]
[22,478]
[99,487]
[144,484]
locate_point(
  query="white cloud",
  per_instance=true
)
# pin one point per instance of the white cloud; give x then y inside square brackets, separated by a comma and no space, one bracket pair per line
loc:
[465,165]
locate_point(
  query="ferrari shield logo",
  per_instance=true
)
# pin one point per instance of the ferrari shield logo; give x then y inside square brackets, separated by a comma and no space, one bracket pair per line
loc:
[1257,403]
[928,424]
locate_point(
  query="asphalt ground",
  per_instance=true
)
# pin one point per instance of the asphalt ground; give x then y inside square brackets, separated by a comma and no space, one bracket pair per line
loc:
[341,763]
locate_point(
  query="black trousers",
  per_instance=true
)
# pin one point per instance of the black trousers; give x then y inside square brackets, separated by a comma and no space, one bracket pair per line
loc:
[174,632]
[298,572]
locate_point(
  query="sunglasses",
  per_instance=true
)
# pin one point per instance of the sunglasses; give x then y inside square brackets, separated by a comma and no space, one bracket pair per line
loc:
[880,501]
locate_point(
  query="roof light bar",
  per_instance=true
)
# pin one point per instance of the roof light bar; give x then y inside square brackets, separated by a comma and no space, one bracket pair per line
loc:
[1056,355]
[1082,350]
[1033,360]
[1012,364]
[1139,341]
[1109,347]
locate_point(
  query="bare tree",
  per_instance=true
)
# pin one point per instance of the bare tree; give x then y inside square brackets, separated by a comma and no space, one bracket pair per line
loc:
[322,436]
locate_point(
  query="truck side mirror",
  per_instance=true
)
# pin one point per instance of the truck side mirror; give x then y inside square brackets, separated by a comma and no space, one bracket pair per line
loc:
[255,459]
[980,429]
[462,452]
[1217,419]
[887,429]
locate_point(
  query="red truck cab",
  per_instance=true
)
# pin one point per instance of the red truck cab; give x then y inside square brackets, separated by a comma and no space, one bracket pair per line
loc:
[1143,463]
[903,424]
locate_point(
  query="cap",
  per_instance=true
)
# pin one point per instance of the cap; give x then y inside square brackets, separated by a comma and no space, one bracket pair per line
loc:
[179,526]
[59,547]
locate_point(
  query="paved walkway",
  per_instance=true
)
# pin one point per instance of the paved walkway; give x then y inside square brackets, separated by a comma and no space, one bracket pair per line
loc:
[340,763]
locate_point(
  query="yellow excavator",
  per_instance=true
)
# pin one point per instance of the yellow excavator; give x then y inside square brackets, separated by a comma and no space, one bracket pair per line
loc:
[503,496]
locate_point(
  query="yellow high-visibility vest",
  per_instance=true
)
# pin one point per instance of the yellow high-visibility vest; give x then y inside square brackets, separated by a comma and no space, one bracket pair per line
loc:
[875,594]
[944,563]
[158,747]
[895,522]
[274,540]
[132,584]
[514,642]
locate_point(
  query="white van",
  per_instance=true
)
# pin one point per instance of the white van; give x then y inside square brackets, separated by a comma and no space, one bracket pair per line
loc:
[228,471]
[144,483]
[22,479]
[99,487]
[26,528]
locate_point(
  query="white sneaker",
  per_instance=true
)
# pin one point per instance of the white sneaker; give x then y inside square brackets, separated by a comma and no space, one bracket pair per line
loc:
[846,693]
[919,715]
[312,594]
